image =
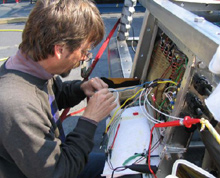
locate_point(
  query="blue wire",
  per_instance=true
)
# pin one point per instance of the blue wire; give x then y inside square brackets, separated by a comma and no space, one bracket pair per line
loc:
[141,85]
[133,87]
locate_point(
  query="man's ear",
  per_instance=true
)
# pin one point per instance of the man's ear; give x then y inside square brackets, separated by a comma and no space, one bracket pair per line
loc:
[58,51]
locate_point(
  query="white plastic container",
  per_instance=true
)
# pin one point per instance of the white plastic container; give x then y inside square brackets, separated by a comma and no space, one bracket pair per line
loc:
[116,95]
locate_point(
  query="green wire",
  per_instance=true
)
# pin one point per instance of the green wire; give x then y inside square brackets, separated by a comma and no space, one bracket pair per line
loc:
[179,68]
[161,105]
[132,157]
[177,78]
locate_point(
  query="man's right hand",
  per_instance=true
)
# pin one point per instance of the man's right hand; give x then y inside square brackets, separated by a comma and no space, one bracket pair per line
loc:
[100,105]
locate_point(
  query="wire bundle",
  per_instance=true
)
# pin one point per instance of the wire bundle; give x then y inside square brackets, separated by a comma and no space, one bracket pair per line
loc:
[142,97]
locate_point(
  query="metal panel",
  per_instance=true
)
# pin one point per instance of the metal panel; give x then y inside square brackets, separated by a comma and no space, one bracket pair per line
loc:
[201,37]
[115,70]
[145,46]
[126,61]
[120,61]
[198,6]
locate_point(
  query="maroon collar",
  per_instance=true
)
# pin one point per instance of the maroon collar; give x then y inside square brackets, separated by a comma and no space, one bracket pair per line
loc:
[25,64]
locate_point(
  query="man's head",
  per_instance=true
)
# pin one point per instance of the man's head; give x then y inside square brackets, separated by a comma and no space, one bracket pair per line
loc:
[67,23]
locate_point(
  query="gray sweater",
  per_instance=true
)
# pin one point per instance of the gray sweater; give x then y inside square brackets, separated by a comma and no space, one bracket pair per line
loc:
[29,143]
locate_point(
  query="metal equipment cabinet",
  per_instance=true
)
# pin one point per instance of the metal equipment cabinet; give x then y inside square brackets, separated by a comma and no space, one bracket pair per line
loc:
[189,25]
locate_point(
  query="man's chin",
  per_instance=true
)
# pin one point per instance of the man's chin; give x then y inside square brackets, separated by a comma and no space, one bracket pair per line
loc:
[66,74]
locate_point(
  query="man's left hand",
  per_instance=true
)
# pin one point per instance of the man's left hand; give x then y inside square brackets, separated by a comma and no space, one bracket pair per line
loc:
[91,86]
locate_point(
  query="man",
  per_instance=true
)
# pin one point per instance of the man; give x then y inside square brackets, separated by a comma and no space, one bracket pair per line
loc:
[56,37]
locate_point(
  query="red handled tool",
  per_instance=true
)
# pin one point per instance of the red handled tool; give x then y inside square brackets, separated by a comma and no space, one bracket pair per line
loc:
[187,122]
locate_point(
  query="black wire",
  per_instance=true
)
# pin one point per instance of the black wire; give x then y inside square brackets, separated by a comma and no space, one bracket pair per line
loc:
[144,155]
[122,168]
[110,164]
[139,159]
[157,142]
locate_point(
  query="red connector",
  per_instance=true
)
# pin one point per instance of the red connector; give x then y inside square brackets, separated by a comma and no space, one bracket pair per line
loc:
[187,122]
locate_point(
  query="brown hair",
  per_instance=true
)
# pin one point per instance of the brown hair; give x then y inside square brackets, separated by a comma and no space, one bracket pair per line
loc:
[68,22]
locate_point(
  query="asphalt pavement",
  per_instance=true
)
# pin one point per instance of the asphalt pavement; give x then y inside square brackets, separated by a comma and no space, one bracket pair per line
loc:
[12,20]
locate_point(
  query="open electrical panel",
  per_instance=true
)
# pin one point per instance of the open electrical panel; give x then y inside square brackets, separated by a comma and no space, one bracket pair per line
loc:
[177,61]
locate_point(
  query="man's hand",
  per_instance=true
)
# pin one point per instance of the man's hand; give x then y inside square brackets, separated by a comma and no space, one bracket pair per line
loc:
[100,105]
[91,86]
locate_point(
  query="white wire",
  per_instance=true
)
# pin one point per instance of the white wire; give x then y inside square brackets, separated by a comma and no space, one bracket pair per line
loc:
[112,130]
[173,117]
[170,92]
[144,111]
[145,108]
[168,96]
[169,88]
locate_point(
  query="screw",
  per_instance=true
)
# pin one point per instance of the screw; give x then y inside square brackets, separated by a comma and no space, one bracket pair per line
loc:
[201,65]
[199,19]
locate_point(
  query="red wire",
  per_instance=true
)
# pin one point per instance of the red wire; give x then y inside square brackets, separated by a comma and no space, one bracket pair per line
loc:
[115,136]
[149,150]
[71,114]
[187,122]
[76,112]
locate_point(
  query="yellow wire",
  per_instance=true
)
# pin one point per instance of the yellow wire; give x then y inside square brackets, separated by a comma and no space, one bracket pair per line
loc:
[11,30]
[169,81]
[3,59]
[211,129]
[130,99]
[120,108]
